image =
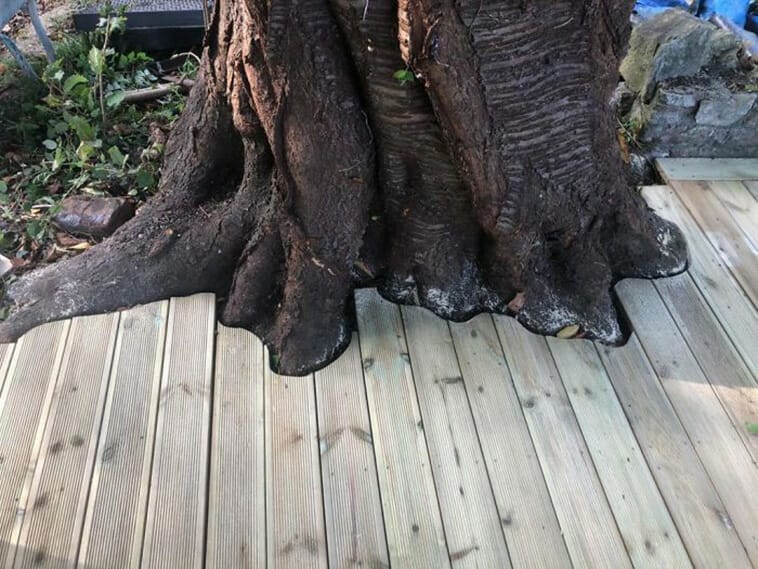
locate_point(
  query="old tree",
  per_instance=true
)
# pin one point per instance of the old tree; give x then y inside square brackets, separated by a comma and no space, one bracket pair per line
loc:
[460,155]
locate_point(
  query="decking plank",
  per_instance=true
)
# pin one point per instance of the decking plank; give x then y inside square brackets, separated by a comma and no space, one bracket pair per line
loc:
[121,474]
[719,227]
[752,187]
[295,529]
[413,524]
[472,525]
[708,168]
[354,525]
[24,405]
[692,500]
[237,498]
[718,444]
[588,525]
[646,526]
[176,511]
[6,354]
[733,383]
[531,528]
[722,292]
[741,205]
[52,525]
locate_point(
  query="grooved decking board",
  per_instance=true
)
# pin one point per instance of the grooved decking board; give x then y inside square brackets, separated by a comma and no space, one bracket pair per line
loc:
[734,385]
[692,500]
[588,525]
[175,526]
[294,505]
[708,168]
[716,441]
[115,520]
[237,498]
[531,529]
[411,512]
[741,205]
[51,530]
[752,187]
[6,352]
[722,231]
[722,292]
[472,525]
[645,524]
[355,529]
[24,404]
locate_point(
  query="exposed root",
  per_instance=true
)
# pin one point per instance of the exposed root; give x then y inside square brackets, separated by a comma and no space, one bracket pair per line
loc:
[301,169]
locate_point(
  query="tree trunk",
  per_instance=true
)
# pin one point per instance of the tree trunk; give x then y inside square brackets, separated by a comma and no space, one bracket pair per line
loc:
[302,168]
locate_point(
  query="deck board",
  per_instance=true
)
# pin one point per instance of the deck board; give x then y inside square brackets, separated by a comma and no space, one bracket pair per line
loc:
[643,520]
[175,526]
[121,473]
[715,438]
[590,531]
[472,525]
[714,280]
[354,524]
[531,527]
[412,519]
[236,502]
[722,231]
[695,169]
[156,437]
[295,525]
[24,406]
[52,524]
[689,493]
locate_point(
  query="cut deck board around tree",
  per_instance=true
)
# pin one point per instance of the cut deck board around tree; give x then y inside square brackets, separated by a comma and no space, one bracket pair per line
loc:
[156,437]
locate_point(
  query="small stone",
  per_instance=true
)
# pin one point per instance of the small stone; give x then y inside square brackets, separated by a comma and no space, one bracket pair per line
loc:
[95,217]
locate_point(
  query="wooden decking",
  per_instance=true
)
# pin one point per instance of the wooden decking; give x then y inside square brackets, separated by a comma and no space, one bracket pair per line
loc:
[156,438]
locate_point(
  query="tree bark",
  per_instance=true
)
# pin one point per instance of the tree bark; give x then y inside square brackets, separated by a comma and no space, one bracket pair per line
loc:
[302,168]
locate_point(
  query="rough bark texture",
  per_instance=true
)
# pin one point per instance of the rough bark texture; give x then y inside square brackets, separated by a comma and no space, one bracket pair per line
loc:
[302,168]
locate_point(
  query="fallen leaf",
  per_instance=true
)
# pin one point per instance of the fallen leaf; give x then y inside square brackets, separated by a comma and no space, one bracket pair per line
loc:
[568,332]
[6,266]
[80,246]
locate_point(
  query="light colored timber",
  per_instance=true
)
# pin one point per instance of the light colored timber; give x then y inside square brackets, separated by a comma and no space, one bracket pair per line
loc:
[531,528]
[752,187]
[743,207]
[52,526]
[412,518]
[121,475]
[732,245]
[719,288]
[296,536]
[472,525]
[692,500]
[24,406]
[708,168]
[590,531]
[354,525]
[237,497]
[645,524]
[176,512]
[732,382]
[721,450]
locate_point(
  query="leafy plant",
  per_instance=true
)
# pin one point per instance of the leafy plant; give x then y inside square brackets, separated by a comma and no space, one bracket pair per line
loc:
[75,134]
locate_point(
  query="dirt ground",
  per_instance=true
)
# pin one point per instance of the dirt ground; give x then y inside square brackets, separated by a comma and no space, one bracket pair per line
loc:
[56,17]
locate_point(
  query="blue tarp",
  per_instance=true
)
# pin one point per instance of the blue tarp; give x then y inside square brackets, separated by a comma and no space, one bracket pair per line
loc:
[734,10]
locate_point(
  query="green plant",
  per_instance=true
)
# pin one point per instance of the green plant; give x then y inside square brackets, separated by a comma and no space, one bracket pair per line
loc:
[75,134]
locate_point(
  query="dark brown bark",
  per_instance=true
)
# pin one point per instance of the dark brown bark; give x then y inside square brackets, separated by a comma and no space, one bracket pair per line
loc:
[301,169]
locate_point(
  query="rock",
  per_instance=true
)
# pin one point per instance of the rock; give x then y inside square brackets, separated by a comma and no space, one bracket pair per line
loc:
[95,217]
[692,97]
[676,45]
[725,111]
